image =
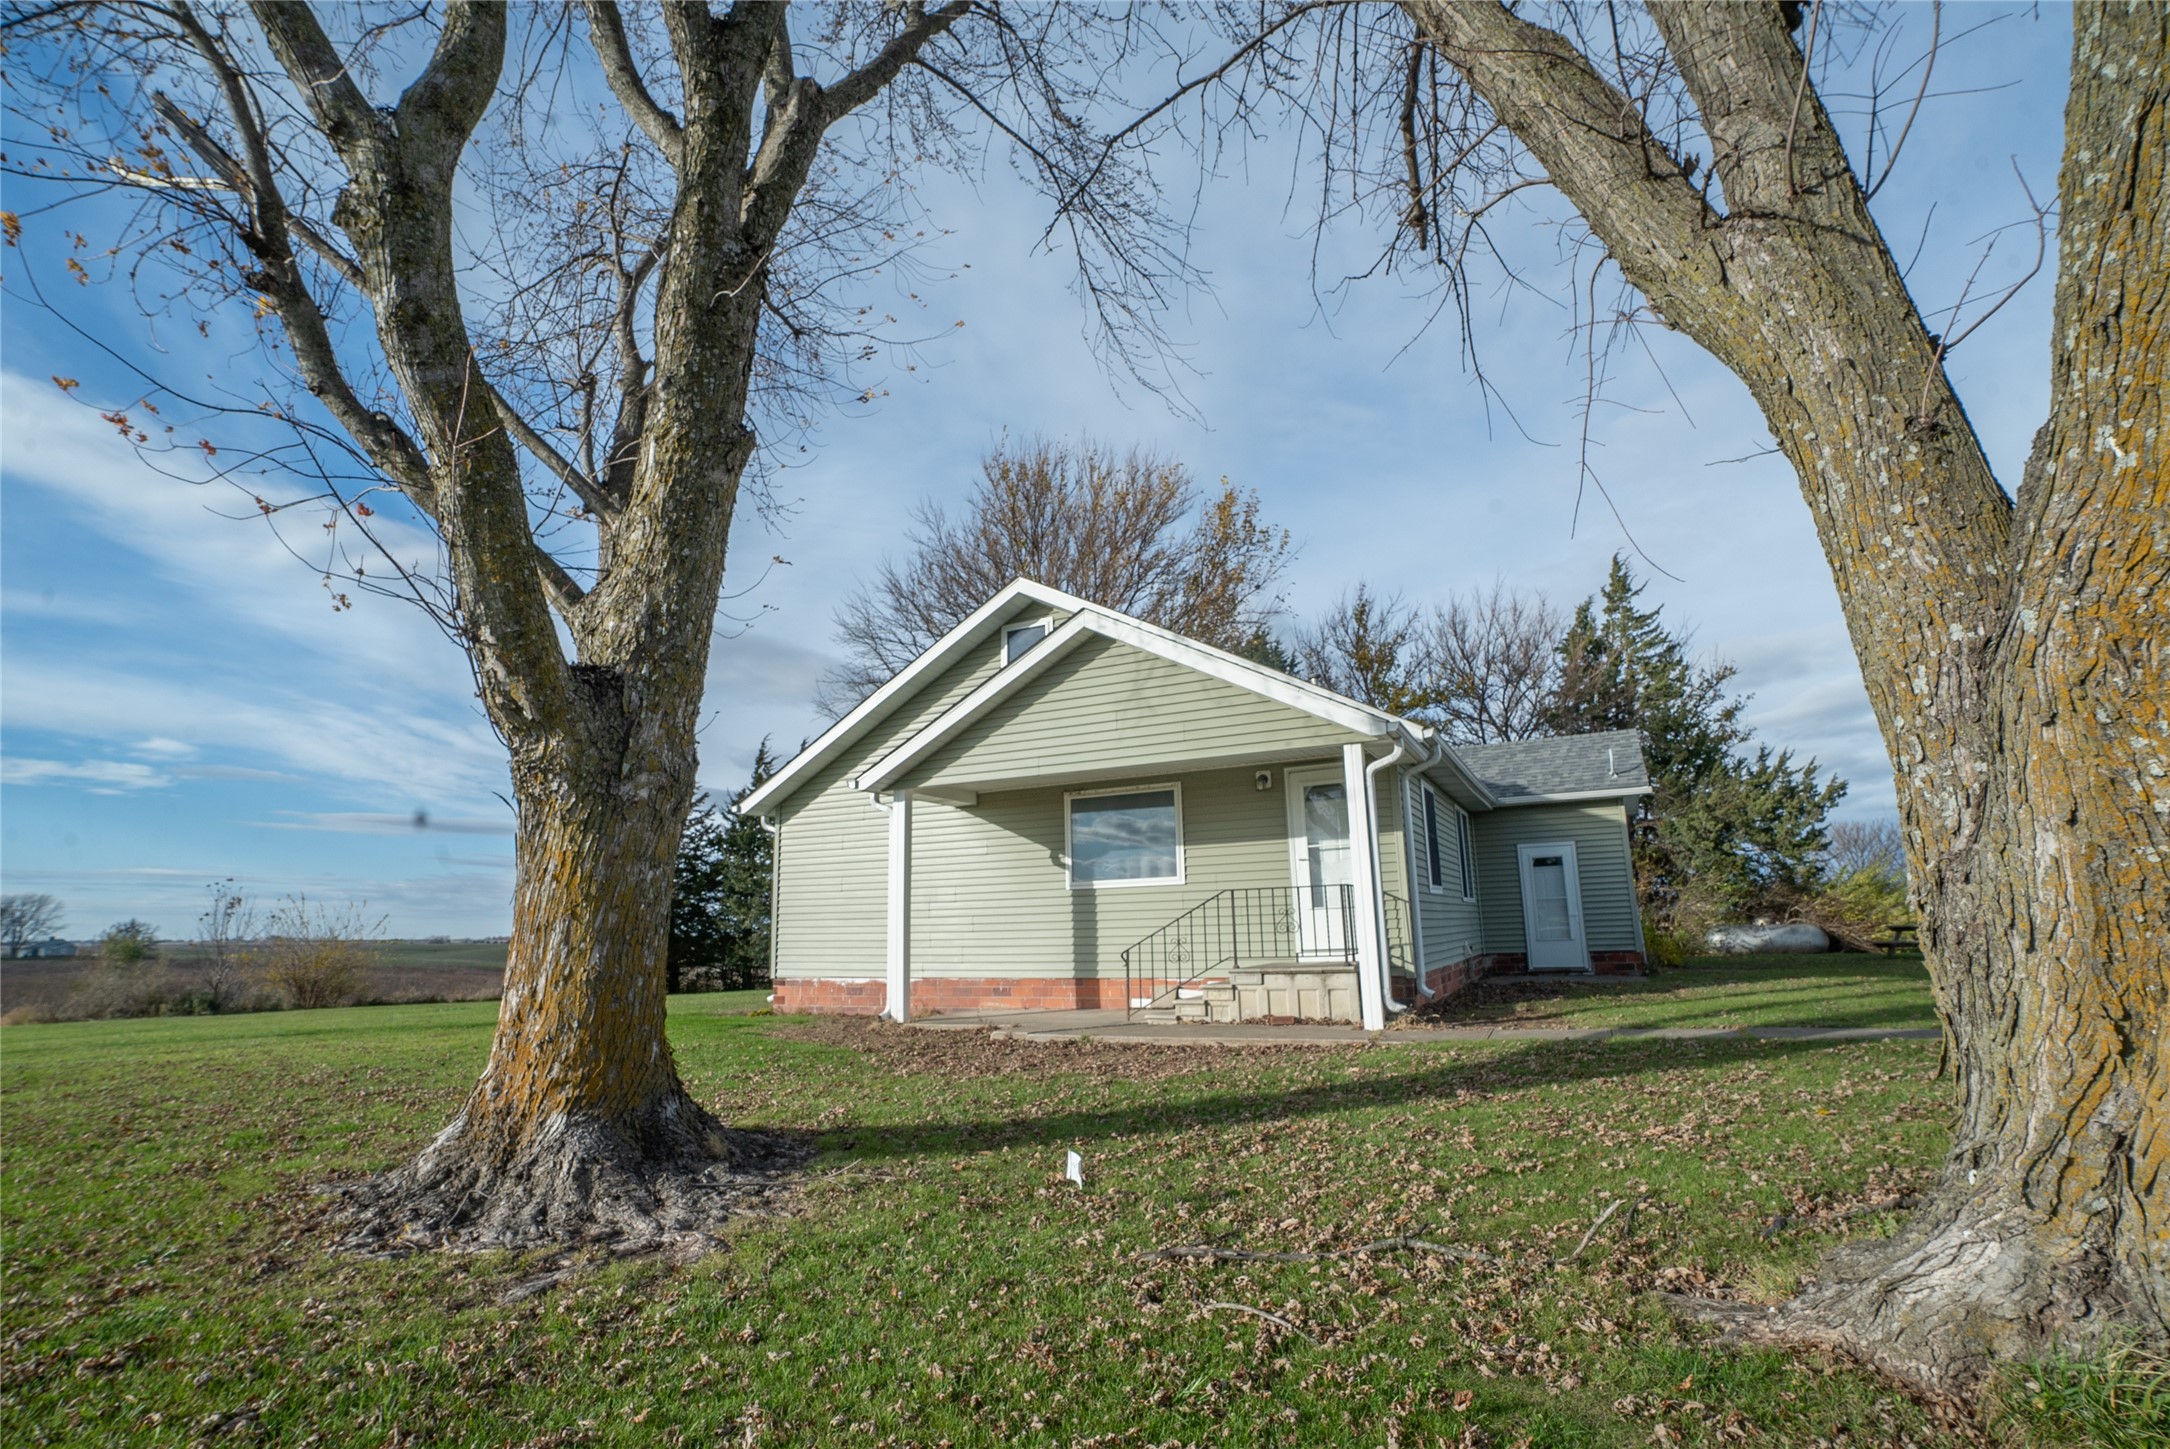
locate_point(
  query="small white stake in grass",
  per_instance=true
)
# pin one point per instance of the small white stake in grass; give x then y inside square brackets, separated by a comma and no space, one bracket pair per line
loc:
[1075,1170]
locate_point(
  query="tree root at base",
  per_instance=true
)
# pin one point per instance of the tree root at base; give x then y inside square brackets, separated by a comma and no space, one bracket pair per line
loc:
[668,1184]
[1935,1309]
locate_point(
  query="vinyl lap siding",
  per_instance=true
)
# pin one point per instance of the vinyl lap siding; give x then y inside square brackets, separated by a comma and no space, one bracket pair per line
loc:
[1453,927]
[832,847]
[991,893]
[1108,710]
[1599,831]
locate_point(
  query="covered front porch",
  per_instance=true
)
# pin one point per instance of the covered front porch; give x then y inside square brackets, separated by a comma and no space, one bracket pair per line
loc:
[1271,953]
[1261,884]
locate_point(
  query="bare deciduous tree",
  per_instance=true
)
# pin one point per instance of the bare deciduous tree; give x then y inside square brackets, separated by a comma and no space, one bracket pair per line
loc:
[1493,659]
[1369,648]
[529,277]
[27,917]
[1126,530]
[1481,667]
[229,934]
[1875,846]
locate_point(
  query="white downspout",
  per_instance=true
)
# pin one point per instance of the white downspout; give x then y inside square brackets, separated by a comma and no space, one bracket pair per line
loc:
[1377,924]
[776,860]
[1416,905]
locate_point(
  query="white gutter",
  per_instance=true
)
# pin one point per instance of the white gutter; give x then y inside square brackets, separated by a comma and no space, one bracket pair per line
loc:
[1378,879]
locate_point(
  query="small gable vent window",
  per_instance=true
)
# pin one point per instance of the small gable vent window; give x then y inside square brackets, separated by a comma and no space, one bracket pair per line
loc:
[1020,637]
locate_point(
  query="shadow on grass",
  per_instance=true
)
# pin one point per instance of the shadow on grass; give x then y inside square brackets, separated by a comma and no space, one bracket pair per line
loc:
[1440,1080]
[1813,996]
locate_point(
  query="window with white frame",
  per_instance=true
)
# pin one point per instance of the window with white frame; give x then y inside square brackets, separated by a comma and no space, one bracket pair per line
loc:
[1019,637]
[1435,870]
[1469,853]
[1126,837]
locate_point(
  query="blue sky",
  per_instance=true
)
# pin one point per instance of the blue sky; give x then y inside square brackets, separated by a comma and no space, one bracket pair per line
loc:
[179,701]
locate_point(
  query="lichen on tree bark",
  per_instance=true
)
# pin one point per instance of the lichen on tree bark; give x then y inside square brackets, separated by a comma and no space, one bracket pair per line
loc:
[580,1126]
[2014,650]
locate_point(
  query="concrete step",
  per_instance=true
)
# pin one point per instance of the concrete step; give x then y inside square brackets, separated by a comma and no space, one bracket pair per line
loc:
[1210,1002]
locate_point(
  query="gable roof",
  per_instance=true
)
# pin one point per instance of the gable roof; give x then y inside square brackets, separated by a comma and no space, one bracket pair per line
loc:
[1525,772]
[977,627]
[1560,767]
[1092,621]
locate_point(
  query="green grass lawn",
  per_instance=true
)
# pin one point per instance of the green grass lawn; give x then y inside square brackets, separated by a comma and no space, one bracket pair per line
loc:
[1831,991]
[937,1281]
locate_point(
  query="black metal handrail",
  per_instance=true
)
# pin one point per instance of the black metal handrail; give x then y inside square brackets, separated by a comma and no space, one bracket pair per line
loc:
[1244,923]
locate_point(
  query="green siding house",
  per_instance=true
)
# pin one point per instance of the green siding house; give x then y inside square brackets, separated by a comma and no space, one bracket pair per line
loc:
[1060,806]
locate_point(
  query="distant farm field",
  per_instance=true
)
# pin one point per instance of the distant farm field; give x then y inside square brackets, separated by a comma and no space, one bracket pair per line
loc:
[443,955]
[398,971]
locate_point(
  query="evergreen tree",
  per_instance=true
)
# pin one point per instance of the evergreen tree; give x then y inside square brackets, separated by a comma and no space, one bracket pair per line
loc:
[720,895]
[1727,829]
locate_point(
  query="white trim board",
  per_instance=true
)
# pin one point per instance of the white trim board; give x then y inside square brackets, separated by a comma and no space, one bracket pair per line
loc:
[1613,792]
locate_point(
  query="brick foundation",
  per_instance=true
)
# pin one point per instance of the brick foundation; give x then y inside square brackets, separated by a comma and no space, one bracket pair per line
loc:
[1602,963]
[1443,980]
[937,995]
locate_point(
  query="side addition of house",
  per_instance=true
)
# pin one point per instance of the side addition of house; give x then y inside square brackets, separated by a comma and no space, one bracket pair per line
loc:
[1060,806]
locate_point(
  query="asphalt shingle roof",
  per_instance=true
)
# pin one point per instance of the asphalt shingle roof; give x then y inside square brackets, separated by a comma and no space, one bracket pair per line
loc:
[1560,765]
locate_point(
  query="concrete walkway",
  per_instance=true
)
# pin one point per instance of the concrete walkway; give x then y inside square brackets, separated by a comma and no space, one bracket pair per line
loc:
[1109,1025]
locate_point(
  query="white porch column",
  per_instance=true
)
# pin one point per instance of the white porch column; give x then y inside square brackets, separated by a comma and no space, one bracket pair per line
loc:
[898,1007]
[1364,866]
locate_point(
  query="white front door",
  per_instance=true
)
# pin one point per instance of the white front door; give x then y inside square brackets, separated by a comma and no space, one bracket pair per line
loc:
[1552,907]
[1318,838]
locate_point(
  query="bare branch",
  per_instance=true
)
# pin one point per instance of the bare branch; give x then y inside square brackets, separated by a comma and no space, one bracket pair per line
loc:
[856,89]
[1928,66]
[1800,89]
[566,595]
[232,176]
[1416,218]
[443,107]
[327,87]
[585,488]
[279,277]
[606,30]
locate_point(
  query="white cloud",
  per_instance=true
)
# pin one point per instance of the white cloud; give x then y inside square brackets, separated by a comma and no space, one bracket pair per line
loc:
[105,776]
[384,740]
[239,581]
[160,748]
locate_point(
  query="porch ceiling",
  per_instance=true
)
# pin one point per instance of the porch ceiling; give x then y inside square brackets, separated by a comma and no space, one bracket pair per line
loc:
[1051,773]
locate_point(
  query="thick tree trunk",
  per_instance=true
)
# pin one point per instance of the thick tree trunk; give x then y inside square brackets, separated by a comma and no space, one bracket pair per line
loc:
[580,1128]
[2015,656]
[2046,910]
